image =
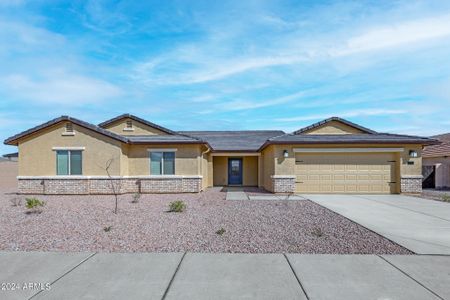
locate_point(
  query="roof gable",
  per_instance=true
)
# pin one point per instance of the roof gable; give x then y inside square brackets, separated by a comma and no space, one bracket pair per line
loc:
[122,119]
[13,140]
[334,125]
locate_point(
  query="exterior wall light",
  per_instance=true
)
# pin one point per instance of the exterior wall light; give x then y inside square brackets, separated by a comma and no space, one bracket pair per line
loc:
[412,153]
[285,154]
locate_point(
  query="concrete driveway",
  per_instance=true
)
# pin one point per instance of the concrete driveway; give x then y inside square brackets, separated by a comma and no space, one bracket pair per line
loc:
[422,226]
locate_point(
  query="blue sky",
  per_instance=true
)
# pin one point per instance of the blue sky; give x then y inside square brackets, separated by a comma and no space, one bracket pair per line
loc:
[227,65]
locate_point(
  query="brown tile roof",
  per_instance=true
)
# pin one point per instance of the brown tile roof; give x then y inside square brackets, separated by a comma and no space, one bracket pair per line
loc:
[442,137]
[442,149]
[13,139]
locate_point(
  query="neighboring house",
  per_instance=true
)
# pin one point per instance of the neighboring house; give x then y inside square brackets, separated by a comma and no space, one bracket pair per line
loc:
[11,156]
[68,156]
[436,164]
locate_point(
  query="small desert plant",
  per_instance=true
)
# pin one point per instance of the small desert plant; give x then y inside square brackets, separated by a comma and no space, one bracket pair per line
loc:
[446,198]
[177,206]
[317,232]
[34,205]
[107,228]
[220,231]
[16,201]
[136,197]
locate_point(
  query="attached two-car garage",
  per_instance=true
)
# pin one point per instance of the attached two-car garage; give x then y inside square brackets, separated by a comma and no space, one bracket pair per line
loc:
[353,171]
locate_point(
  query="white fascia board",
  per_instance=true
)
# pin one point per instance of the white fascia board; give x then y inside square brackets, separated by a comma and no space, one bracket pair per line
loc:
[347,150]
[162,149]
[68,148]
[235,154]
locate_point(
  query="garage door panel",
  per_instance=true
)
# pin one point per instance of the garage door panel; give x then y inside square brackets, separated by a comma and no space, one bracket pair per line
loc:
[341,173]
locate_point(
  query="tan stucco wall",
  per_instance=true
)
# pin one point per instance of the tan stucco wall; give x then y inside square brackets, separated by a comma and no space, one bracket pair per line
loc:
[220,170]
[187,160]
[250,171]
[333,127]
[36,157]
[206,161]
[139,128]
[416,168]
[268,165]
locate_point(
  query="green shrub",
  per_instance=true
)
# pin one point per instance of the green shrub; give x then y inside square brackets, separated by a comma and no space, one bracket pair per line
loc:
[34,205]
[136,197]
[446,198]
[177,206]
[220,231]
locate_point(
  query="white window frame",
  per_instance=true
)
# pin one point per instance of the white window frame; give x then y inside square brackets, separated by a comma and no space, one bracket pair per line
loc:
[161,150]
[69,154]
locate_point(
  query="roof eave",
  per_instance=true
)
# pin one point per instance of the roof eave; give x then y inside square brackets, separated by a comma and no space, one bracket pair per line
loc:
[13,141]
[407,142]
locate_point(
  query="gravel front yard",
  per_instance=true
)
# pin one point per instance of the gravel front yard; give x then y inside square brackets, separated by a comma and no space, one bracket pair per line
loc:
[76,223]
[432,194]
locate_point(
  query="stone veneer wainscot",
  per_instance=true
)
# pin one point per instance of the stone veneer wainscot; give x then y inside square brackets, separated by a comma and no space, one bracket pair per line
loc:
[101,185]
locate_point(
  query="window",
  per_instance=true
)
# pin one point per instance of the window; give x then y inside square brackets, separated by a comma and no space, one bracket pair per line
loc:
[162,163]
[68,162]
[129,124]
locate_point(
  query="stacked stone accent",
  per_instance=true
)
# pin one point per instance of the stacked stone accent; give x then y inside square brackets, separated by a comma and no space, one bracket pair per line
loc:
[411,184]
[31,186]
[99,185]
[283,184]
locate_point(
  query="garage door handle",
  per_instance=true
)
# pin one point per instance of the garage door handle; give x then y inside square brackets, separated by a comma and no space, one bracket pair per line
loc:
[391,161]
[299,182]
[392,182]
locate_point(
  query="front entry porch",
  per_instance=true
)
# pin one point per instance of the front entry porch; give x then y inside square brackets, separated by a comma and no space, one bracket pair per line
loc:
[236,169]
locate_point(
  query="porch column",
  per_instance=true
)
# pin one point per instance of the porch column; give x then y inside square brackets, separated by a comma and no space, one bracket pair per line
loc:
[259,172]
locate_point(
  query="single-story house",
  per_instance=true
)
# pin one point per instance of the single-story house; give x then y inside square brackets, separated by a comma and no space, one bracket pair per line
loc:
[11,156]
[69,156]
[436,163]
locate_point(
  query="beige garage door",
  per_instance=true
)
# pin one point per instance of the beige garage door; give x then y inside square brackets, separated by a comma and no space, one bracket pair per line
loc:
[345,173]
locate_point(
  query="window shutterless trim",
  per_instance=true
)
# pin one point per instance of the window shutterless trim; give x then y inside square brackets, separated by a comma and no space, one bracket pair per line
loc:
[68,148]
[161,162]
[69,166]
[162,149]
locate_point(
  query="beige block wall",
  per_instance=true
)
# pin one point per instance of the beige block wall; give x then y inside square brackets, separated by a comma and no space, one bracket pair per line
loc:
[442,177]
[36,157]
[139,128]
[333,127]
[187,160]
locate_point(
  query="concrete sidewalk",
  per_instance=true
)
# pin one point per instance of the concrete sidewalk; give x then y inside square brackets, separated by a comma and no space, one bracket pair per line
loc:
[222,276]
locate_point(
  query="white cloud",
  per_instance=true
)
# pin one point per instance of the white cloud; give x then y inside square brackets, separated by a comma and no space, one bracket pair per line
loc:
[61,88]
[396,35]
[346,114]
[206,61]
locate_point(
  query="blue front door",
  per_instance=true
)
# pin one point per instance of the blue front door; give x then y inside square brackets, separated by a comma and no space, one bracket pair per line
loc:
[235,171]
